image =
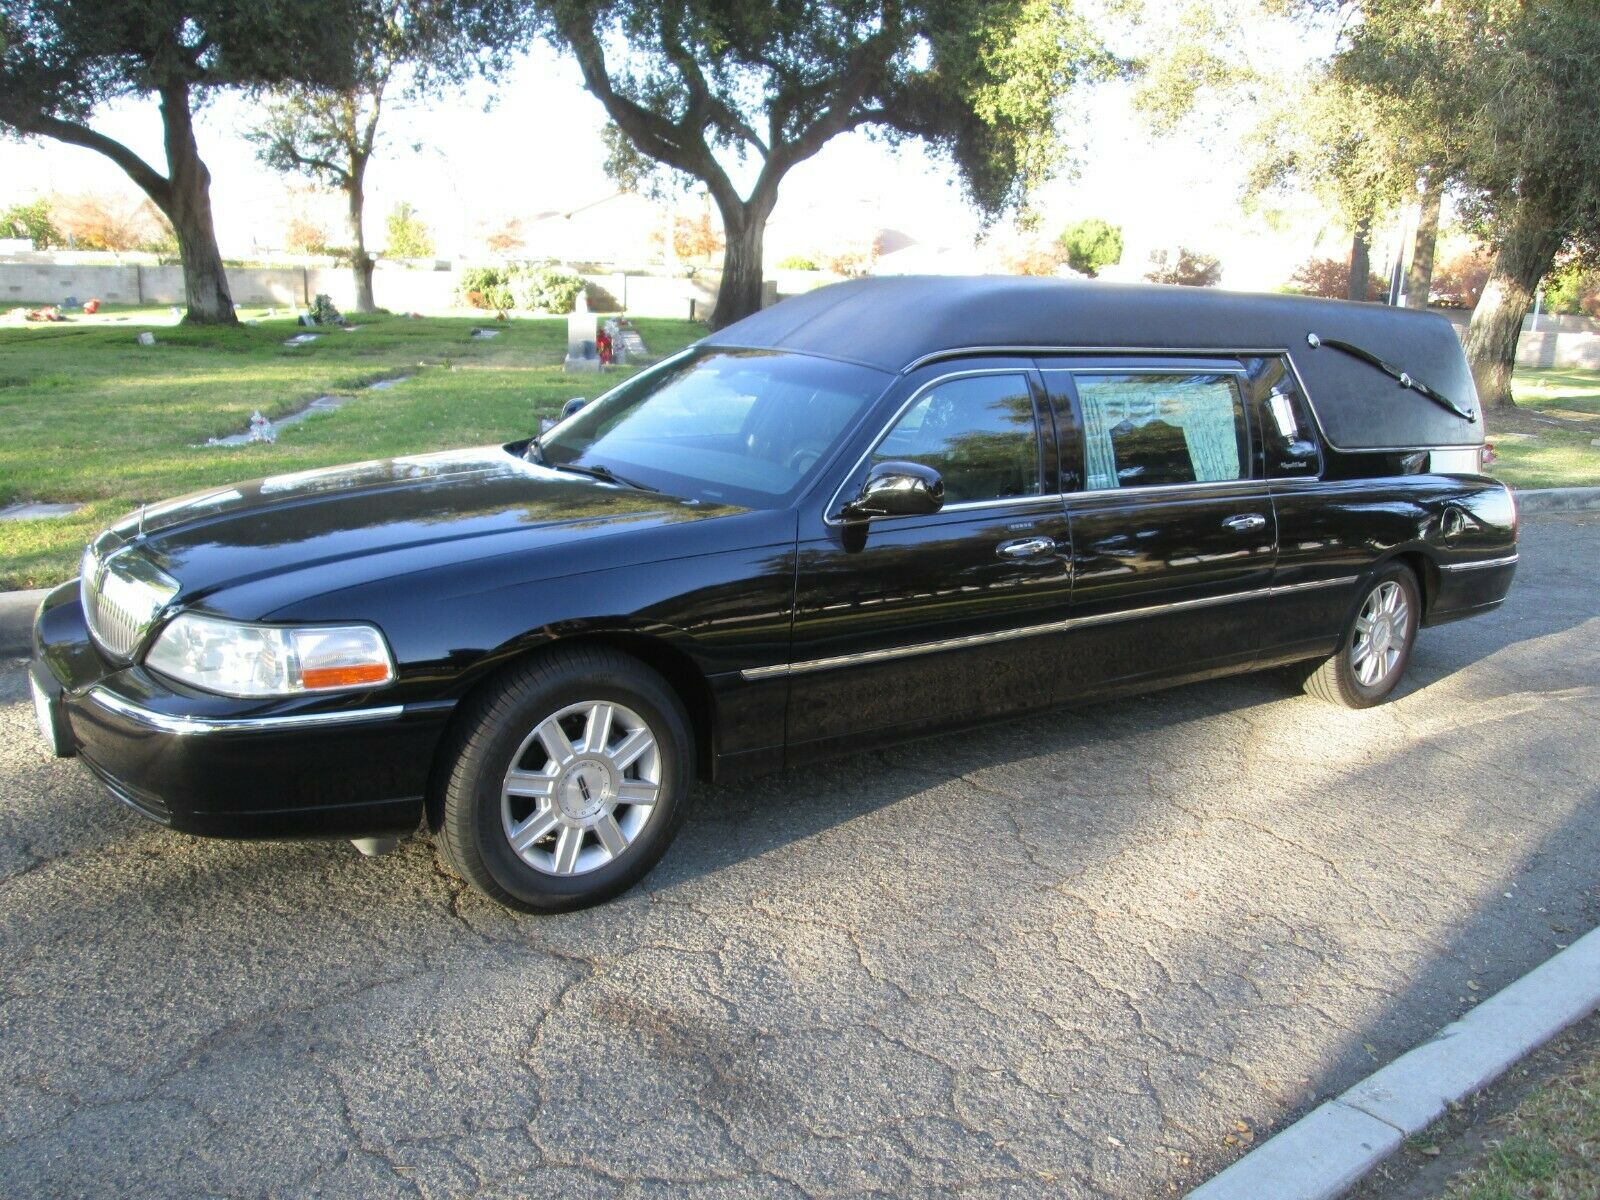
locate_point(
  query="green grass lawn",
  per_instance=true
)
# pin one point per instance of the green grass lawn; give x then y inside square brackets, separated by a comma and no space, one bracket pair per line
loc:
[87,414]
[1545,441]
[1548,1147]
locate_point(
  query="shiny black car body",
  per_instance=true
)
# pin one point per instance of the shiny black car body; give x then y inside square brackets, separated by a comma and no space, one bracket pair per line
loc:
[796,625]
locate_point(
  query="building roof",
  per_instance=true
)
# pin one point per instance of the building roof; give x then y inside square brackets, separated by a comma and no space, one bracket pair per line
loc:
[895,322]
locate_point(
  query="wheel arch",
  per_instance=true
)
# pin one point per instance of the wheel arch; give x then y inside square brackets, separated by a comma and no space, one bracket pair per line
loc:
[1426,570]
[677,669]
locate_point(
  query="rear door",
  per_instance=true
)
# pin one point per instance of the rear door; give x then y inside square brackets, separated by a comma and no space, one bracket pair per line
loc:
[1173,530]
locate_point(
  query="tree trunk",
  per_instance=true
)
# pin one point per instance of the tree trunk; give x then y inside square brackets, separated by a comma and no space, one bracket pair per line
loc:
[1360,260]
[1524,257]
[1420,278]
[360,261]
[205,283]
[743,229]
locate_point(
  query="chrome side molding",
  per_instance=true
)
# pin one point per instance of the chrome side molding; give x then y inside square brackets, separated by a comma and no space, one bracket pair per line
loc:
[778,670]
[1478,566]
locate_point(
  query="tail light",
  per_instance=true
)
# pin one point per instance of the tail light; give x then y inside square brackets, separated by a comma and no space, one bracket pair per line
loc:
[1486,456]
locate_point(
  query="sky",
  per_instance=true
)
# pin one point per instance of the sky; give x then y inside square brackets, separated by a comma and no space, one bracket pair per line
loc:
[471,158]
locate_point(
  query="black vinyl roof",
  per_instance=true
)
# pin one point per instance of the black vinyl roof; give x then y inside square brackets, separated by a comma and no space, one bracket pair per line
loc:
[895,322]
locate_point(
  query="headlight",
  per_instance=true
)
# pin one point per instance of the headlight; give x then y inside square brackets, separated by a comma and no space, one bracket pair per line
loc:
[235,659]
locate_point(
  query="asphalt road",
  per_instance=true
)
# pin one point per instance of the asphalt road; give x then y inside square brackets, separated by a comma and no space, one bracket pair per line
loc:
[1063,956]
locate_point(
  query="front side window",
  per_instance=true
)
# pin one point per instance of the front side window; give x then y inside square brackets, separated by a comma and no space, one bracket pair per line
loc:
[745,427]
[1149,430]
[979,432]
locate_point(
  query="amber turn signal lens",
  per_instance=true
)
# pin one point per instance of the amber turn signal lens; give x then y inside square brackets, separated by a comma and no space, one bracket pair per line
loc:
[314,678]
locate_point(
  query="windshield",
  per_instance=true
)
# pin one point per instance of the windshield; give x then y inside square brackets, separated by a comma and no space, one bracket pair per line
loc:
[745,427]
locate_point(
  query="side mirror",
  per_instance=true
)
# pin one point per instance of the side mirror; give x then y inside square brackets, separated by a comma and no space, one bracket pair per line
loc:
[572,406]
[897,489]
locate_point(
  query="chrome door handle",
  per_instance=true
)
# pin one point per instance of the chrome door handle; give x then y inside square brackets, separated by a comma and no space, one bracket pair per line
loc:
[1026,548]
[1245,522]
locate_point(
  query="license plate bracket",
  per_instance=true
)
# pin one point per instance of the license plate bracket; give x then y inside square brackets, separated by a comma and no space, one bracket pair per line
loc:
[47,712]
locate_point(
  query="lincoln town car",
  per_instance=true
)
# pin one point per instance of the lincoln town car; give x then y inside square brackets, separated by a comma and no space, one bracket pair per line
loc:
[884,509]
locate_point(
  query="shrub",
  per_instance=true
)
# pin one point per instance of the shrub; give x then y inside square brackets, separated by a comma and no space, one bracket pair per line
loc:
[1091,244]
[1330,278]
[797,262]
[486,287]
[32,221]
[1192,269]
[110,222]
[409,235]
[553,289]
[1573,291]
[324,311]
[1459,282]
[301,235]
[1034,260]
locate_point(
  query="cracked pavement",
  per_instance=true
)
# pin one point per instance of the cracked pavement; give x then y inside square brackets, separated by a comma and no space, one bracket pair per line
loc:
[1069,955]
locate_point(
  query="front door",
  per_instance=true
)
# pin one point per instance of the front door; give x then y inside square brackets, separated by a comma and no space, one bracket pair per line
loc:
[1173,532]
[904,622]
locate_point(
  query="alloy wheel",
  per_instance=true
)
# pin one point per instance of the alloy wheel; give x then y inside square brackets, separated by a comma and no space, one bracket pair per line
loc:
[1380,634]
[581,788]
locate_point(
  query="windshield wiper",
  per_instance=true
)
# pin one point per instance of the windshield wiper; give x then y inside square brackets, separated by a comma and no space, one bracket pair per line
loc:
[1404,378]
[604,474]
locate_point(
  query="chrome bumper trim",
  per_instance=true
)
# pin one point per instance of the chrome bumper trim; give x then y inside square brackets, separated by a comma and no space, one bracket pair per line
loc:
[189,726]
[1006,635]
[1478,566]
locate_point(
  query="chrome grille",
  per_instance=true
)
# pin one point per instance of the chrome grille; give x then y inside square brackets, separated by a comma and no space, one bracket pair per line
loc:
[122,594]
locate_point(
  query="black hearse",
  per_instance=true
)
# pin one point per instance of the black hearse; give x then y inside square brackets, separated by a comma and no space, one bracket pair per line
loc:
[885,508]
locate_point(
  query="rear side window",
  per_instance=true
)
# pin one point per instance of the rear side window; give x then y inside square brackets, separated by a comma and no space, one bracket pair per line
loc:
[979,432]
[1150,430]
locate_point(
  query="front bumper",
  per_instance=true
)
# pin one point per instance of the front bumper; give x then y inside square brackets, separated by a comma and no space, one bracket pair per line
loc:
[305,767]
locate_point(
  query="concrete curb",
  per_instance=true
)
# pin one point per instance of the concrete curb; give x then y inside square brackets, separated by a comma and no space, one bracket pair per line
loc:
[1562,499]
[1326,1151]
[17,610]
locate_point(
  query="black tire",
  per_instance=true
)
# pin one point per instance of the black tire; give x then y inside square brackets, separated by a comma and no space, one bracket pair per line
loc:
[1336,680]
[471,836]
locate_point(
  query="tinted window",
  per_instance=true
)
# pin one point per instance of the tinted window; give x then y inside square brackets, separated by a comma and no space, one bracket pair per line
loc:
[978,432]
[742,426]
[1145,430]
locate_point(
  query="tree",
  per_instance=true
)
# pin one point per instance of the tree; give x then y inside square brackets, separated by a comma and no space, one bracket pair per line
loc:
[1509,95]
[304,235]
[1091,244]
[1315,131]
[409,235]
[32,221]
[1330,279]
[330,135]
[1191,268]
[92,221]
[1348,148]
[693,86]
[62,61]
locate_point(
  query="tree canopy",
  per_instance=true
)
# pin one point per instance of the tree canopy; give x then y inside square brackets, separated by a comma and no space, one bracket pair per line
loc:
[1505,98]
[1091,244]
[61,61]
[329,135]
[717,88]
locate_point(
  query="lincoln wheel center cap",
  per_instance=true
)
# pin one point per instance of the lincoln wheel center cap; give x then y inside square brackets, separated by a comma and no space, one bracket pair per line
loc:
[1382,634]
[585,790]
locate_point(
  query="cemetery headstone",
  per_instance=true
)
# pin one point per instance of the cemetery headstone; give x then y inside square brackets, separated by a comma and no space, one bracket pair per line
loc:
[581,353]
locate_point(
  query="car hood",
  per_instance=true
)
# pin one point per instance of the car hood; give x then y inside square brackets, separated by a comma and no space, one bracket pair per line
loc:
[387,516]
